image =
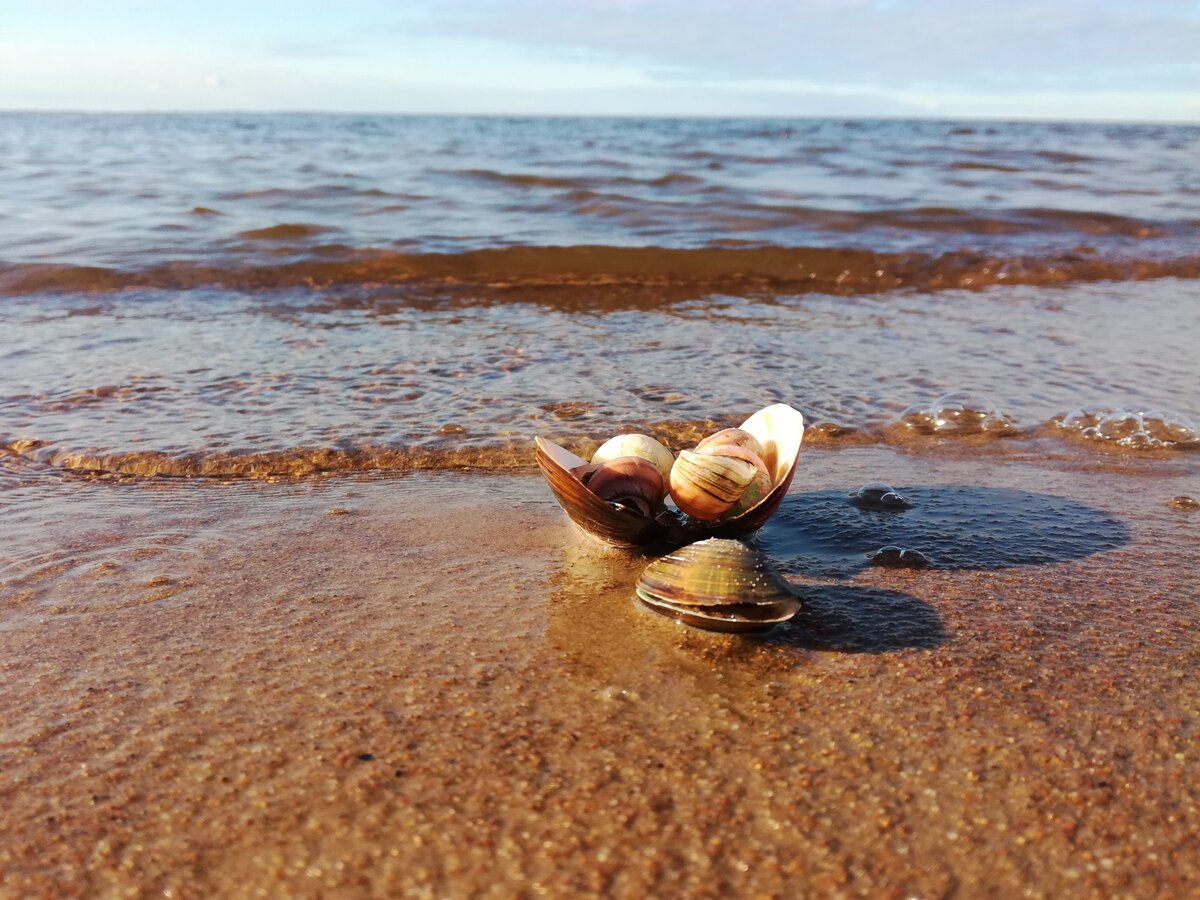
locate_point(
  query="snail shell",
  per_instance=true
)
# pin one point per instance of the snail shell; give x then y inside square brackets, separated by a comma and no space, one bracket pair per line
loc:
[779,430]
[706,486]
[731,437]
[640,445]
[630,481]
[717,584]
[757,489]
[617,526]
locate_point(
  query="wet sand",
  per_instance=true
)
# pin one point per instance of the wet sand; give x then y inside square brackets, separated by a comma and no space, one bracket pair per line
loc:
[432,685]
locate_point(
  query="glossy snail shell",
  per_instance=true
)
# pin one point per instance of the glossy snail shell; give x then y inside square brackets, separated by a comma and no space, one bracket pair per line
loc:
[617,526]
[731,437]
[779,430]
[758,488]
[706,486]
[630,481]
[641,445]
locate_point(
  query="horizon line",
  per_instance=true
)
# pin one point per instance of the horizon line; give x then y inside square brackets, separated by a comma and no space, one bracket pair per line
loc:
[789,117]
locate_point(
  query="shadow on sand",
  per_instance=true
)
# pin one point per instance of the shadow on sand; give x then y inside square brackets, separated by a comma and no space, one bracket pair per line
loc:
[860,620]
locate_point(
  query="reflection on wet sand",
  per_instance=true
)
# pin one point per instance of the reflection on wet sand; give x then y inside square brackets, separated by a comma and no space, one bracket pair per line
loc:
[436,682]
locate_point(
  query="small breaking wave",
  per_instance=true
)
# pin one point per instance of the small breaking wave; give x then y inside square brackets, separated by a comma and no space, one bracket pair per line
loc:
[1134,427]
[662,274]
[958,420]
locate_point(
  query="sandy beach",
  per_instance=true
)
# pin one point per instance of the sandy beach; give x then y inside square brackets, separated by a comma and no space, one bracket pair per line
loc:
[287,610]
[434,686]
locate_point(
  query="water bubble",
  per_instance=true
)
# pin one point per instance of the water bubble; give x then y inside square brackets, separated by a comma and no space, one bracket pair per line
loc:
[899,558]
[877,495]
[1136,428]
[959,412]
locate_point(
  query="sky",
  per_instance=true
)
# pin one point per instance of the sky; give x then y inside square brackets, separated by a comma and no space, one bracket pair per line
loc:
[1059,59]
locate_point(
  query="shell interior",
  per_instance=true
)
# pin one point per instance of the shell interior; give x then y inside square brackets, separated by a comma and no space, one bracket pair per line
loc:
[619,525]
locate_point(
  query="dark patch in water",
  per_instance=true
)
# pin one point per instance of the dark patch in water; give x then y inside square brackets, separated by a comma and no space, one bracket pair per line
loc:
[284,232]
[961,526]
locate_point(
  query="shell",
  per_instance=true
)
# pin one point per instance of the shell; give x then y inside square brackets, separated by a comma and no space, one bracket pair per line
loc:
[731,437]
[631,481]
[758,488]
[641,445]
[718,584]
[705,486]
[779,429]
[616,526]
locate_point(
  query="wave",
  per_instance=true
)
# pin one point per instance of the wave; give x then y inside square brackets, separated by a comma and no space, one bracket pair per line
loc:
[316,192]
[284,232]
[1071,436]
[543,274]
[525,180]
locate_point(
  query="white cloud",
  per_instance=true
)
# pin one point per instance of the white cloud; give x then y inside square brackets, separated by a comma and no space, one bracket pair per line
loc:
[1022,58]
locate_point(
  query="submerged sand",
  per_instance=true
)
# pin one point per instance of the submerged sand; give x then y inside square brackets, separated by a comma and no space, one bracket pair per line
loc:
[433,686]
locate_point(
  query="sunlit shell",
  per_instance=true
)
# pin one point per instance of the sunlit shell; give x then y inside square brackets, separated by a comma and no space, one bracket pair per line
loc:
[717,584]
[640,445]
[705,486]
[629,480]
[731,437]
[618,526]
[757,489]
[779,430]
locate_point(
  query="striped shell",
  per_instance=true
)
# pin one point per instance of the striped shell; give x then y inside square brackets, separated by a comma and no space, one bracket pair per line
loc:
[706,486]
[731,437]
[719,585]
[778,429]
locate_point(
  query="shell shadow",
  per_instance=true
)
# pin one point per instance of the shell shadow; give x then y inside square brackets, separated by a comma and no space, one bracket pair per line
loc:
[860,620]
[593,620]
[821,533]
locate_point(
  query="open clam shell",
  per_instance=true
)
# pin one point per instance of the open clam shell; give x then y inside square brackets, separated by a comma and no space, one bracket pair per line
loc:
[778,428]
[620,526]
[717,584]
